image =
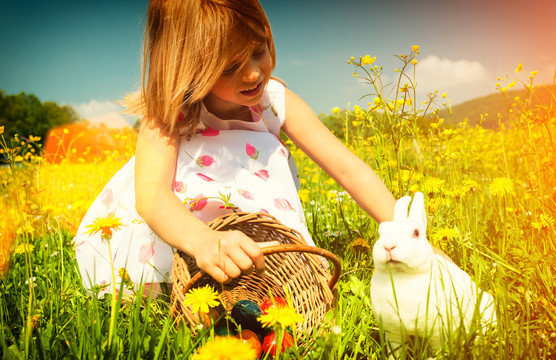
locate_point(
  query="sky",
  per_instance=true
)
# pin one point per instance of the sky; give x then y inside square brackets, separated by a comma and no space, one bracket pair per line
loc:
[87,53]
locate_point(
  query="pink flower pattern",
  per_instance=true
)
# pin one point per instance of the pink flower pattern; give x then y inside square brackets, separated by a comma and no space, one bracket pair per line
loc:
[179,186]
[246,194]
[146,253]
[205,160]
[282,204]
[204,177]
[251,151]
[209,132]
[263,174]
[197,203]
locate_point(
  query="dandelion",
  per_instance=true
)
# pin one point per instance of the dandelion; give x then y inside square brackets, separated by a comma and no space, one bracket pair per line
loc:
[433,185]
[281,315]
[441,236]
[24,248]
[105,226]
[360,245]
[501,187]
[202,299]
[226,348]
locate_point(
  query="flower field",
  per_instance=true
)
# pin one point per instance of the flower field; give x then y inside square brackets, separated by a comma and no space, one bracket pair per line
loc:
[490,197]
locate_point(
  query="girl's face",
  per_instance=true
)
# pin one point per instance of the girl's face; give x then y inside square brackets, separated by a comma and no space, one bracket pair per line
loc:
[242,86]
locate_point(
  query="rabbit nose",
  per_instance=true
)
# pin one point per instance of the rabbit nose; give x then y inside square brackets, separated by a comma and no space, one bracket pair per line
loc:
[389,248]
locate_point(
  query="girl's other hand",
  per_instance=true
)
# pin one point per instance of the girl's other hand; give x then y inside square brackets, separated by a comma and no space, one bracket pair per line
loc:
[225,255]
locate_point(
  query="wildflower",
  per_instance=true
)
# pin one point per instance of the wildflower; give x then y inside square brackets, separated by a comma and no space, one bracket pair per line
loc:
[534,73]
[360,245]
[335,110]
[124,274]
[367,60]
[283,315]
[105,226]
[66,131]
[501,187]
[415,48]
[226,348]
[545,221]
[441,236]
[433,185]
[24,248]
[201,299]
[414,62]
[1,130]
[519,67]
[444,95]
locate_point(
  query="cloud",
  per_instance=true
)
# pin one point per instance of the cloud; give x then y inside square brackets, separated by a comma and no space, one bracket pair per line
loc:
[461,79]
[103,112]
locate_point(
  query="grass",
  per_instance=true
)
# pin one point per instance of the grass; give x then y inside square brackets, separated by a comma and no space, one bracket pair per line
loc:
[490,197]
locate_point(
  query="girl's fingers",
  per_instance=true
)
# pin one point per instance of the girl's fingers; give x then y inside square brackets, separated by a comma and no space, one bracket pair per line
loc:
[229,267]
[255,253]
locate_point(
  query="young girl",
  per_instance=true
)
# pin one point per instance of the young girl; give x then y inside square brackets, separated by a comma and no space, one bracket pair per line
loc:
[209,145]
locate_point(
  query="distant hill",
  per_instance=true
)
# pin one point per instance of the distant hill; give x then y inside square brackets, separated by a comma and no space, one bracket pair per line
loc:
[494,104]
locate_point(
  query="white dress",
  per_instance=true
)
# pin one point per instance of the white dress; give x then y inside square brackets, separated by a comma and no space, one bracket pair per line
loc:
[227,165]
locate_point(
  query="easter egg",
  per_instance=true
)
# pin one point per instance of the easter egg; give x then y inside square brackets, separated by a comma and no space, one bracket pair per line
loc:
[273,302]
[270,343]
[224,331]
[206,319]
[252,340]
[245,313]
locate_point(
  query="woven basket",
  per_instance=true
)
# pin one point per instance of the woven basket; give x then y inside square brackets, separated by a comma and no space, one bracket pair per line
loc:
[293,264]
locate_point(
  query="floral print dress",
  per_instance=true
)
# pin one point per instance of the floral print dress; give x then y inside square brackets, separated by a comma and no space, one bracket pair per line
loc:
[228,165]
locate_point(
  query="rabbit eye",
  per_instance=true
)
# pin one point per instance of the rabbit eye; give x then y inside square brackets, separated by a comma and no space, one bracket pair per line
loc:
[416,233]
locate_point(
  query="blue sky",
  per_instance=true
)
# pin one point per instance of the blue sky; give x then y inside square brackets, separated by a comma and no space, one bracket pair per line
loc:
[86,53]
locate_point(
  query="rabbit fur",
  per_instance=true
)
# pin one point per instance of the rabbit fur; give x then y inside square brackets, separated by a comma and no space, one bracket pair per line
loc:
[415,292]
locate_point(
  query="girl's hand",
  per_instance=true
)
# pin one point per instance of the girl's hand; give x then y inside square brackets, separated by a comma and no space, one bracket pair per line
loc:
[225,255]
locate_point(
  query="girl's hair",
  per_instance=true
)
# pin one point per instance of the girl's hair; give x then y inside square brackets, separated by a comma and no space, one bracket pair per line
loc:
[188,45]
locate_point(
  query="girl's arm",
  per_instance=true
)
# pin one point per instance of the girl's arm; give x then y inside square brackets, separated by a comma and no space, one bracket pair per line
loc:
[222,255]
[308,133]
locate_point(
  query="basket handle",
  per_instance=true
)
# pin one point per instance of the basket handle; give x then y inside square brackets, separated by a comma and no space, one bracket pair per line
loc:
[288,248]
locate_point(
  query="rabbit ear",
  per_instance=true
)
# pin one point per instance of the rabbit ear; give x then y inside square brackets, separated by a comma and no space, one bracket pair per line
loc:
[417,210]
[400,209]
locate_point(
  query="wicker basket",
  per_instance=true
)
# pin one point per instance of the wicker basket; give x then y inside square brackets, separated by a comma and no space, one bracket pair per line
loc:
[292,264]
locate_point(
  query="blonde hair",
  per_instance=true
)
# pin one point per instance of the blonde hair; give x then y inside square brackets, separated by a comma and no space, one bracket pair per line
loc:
[188,45]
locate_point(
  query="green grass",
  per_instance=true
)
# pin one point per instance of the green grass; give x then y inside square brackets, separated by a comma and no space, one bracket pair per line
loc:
[502,235]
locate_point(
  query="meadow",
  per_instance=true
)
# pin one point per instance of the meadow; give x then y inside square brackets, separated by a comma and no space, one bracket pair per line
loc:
[490,196]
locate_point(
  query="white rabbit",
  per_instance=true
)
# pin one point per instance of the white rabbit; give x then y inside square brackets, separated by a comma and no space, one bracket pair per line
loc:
[415,292]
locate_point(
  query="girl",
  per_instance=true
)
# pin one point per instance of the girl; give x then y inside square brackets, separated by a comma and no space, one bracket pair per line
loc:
[208,145]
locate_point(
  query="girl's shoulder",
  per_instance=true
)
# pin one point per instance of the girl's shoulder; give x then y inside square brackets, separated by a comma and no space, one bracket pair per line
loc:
[273,104]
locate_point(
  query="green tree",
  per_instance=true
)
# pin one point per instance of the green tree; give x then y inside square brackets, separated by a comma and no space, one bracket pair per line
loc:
[25,114]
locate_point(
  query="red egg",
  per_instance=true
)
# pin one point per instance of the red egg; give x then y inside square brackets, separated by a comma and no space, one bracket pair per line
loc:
[252,340]
[273,302]
[269,343]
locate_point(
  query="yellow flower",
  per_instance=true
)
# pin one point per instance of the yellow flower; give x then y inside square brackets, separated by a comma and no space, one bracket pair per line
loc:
[24,248]
[1,130]
[444,95]
[433,185]
[360,245]
[336,110]
[519,67]
[124,274]
[501,187]
[415,48]
[105,226]
[441,236]
[367,60]
[66,131]
[201,299]
[545,222]
[226,348]
[534,73]
[414,62]
[282,315]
